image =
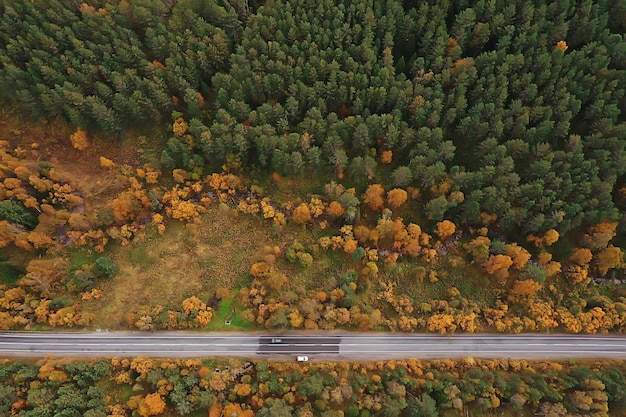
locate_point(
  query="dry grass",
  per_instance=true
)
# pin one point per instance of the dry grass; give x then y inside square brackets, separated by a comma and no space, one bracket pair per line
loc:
[164,270]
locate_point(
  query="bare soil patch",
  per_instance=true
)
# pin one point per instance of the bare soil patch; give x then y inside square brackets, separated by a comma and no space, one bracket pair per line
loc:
[48,141]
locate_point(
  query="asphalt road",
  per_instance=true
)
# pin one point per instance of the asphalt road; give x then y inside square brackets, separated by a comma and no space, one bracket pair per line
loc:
[331,345]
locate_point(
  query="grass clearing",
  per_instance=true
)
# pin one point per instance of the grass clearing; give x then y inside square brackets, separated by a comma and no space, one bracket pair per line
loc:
[140,257]
[225,312]
[166,269]
[81,256]
[412,277]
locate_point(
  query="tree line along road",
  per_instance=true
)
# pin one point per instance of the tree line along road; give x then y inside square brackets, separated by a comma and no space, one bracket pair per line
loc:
[319,345]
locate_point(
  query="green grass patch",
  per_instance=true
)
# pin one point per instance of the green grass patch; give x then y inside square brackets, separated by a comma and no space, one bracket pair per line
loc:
[224,312]
[413,277]
[139,256]
[9,273]
[125,391]
[209,363]
[238,324]
[79,257]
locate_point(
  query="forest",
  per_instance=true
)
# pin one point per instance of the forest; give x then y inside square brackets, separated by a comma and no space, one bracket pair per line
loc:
[429,166]
[147,387]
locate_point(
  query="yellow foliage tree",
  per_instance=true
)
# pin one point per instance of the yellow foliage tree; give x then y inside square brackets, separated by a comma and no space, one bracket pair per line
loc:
[180,127]
[192,304]
[42,275]
[550,237]
[562,45]
[316,206]
[518,254]
[479,248]
[407,324]
[180,175]
[609,258]
[106,163]
[124,208]
[39,240]
[260,269]
[295,319]
[552,268]
[581,256]
[526,288]
[362,233]
[600,235]
[442,323]
[79,139]
[467,322]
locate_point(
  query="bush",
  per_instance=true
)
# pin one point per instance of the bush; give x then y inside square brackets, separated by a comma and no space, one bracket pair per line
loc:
[105,267]
[359,253]
[10,272]
[81,281]
[305,260]
[59,303]
[14,212]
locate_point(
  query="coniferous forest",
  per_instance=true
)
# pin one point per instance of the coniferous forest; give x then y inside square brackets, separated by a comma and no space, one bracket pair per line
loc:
[419,166]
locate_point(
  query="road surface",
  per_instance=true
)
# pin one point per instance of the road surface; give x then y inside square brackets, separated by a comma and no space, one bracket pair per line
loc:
[329,346]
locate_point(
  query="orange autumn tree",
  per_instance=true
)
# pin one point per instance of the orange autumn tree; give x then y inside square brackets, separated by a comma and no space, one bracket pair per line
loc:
[150,405]
[125,207]
[386,157]
[302,214]
[198,311]
[374,196]
[562,45]
[396,197]
[525,288]
[600,235]
[106,163]
[445,229]
[215,410]
[498,266]
[576,273]
[578,270]
[479,249]
[335,209]
[235,410]
[549,238]
[244,390]
[581,256]
[518,254]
